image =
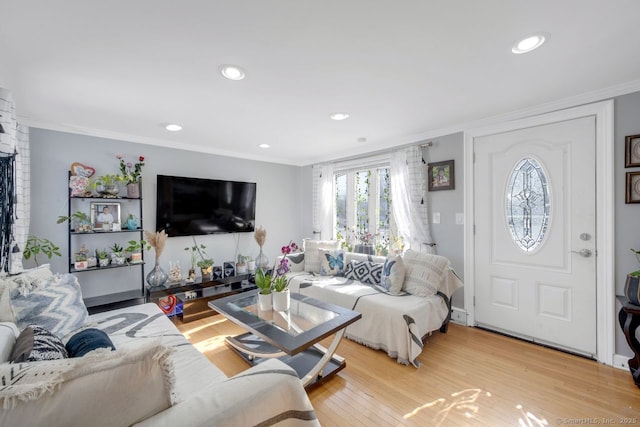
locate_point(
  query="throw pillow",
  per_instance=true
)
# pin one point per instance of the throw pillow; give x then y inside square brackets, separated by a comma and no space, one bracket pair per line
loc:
[88,340]
[35,344]
[296,262]
[331,262]
[393,274]
[8,334]
[364,271]
[109,388]
[312,253]
[56,303]
[425,273]
[27,278]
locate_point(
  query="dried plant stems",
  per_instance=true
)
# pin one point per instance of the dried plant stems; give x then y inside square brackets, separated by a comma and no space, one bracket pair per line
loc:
[260,235]
[157,241]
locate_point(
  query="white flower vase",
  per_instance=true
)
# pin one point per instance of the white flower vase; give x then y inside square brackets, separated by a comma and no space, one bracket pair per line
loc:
[265,302]
[281,300]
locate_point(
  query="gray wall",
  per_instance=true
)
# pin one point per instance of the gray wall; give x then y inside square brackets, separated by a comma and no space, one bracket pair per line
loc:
[627,226]
[449,236]
[278,207]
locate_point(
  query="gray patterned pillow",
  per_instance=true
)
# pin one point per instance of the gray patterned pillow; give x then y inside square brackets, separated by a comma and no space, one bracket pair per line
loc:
[55,303]
[364,271]
[35,344]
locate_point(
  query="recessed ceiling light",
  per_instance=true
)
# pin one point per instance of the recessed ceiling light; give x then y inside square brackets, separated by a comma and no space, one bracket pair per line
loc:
[232,72]
[529,43]
[362,139]
[173,127]
[339,116]
[264,146]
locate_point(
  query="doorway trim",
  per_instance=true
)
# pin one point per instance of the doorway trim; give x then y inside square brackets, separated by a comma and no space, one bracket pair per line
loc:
[605,210]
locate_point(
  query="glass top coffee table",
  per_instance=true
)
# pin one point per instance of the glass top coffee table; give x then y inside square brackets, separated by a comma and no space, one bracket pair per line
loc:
[292,335]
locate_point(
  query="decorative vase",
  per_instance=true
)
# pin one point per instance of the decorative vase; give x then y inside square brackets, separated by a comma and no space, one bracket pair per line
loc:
[133,190]
[206,273]
[157,276]
[109,190]
[192,274]
[241,268]
[132,223]
[262,261]
[632,289]
[281,300]
[265,302]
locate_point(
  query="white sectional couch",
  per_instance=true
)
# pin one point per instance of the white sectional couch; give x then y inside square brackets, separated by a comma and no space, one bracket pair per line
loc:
[395,323]
[155,377]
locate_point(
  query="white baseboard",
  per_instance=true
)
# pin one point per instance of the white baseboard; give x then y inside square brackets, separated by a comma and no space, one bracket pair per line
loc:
[621,362]
[458,316]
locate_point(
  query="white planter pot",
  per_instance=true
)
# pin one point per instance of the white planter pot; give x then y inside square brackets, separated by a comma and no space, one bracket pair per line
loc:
[265,302]
[281,300]
[241,268]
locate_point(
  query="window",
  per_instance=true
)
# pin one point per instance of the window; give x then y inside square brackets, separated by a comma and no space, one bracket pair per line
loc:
[528,204]
[363,207]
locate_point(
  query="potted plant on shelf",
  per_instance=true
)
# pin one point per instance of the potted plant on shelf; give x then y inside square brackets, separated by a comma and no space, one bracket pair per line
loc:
[241,265]
[103,258]
[131,174]
[263,282]
[117,254]
[107,185]
[81,221]
[135,250]
[81,259]
[193,261]
[632,285]
[205,263]
[36,245]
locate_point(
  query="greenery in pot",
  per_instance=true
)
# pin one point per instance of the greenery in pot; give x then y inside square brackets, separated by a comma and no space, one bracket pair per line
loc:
[116,249]
[107,180]
[36,245]
[101,254]
[280,284]
[136,246]
[205,262]
[82,221]
[263,282]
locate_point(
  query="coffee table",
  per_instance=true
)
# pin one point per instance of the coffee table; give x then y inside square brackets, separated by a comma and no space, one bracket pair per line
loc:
[292,335]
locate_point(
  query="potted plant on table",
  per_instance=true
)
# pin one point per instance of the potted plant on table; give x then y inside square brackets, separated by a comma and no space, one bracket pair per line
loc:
[263,282]
[103,258]
[241,265]
[632,285]
[117,254]
[281,294]
[205,263]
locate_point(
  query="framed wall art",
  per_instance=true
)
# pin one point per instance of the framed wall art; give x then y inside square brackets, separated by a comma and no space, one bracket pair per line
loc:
[633,187]
[632,151]
[441,176]
[104,215]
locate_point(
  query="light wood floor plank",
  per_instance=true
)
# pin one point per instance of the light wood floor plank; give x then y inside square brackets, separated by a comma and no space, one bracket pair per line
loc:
[468,377]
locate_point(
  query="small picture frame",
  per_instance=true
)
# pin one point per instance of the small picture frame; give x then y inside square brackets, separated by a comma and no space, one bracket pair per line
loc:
[104,215]
[632,151]
[633,187]
[441,176]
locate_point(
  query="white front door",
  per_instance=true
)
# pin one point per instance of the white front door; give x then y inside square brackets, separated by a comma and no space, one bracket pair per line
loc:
[535,233]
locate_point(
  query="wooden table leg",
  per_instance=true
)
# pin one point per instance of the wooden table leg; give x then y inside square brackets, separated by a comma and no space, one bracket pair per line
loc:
[630,323]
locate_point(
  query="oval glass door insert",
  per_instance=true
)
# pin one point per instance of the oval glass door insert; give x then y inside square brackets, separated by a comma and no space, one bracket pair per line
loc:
[528,205]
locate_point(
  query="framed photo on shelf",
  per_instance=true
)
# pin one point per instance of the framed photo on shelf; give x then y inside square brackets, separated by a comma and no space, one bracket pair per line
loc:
[441,176]
[633,187]
[104,215]
[632,151]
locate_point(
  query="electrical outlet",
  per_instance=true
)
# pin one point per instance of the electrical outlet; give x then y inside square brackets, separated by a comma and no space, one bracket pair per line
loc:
[436,217]
[459,218]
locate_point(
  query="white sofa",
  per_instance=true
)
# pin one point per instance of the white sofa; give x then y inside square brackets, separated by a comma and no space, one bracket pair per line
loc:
[396,324]
[154,378]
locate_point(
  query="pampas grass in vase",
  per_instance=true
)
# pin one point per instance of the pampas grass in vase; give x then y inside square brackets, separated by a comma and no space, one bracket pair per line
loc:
[157,240]
[262,262]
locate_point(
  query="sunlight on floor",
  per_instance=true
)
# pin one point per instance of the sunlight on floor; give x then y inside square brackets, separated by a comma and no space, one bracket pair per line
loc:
[210,343]
[187,333]
[529,420]
[465,400]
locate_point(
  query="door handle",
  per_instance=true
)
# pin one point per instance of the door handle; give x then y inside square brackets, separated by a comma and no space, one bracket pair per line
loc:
[585,253]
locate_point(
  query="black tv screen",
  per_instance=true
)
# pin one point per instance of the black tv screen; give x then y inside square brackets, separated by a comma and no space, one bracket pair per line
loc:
[193,206]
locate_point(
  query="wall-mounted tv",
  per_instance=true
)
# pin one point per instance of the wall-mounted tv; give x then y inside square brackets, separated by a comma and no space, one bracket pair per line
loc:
[194,206]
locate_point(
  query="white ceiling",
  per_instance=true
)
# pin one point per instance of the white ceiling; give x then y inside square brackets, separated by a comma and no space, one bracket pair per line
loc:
[404,70]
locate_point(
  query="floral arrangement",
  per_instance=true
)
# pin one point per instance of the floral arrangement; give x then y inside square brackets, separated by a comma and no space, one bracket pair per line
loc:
[280,283]
[157,241]
[131,172]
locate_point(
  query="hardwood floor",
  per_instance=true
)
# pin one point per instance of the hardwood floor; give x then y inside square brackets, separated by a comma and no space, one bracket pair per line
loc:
[468,377]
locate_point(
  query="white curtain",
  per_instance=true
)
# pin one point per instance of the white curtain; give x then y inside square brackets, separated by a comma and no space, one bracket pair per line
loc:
[15,140]
[409,198]
[323,202]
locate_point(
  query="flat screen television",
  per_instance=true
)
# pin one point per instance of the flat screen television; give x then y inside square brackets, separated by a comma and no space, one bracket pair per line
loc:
[194,206]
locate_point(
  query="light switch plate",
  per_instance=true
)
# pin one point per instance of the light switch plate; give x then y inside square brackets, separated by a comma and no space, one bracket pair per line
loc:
[436,217]
[459,218]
